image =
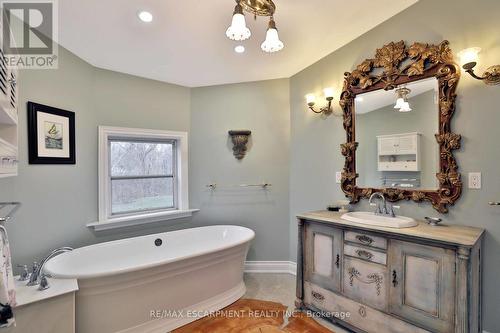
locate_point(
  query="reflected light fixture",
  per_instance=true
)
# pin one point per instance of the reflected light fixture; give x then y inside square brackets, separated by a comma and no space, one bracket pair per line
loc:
[326,110]
[469,59]
[402,100]
[238,30]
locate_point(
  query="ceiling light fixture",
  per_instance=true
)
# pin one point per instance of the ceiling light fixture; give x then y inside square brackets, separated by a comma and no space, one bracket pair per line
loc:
[402,100]
[239,31]
[145,16]
[239,49]
[272,42]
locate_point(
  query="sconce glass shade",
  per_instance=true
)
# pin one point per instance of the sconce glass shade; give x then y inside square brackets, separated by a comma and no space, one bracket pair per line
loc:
[328,92]
[272,42]
[468,56]
[405,107]
[238,29]
[399,103]
[310,99]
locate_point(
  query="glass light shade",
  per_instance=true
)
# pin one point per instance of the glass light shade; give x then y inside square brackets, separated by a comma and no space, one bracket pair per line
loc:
[272,42]
[238,29]
[405,107]
[399,103]
[469,55]
[328,92]
[310,99]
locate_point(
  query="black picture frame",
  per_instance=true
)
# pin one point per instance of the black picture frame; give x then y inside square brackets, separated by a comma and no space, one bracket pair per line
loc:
[34,158]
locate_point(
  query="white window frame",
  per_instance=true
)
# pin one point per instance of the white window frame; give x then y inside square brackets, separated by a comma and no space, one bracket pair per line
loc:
[106,219]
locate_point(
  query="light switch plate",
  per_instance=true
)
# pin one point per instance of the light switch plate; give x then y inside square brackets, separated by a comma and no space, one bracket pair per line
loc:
[475,180]
[338,177]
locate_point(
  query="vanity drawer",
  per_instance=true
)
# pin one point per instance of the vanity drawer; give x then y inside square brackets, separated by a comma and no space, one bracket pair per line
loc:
[355,314]
[365,254]
[366,239]
[366,283]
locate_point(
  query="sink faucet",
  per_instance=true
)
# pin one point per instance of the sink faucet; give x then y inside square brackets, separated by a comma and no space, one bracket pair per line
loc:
[380,210]
[38,277]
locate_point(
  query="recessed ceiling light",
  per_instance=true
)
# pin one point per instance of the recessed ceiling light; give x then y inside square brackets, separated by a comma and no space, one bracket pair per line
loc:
[239,49]
[145,16]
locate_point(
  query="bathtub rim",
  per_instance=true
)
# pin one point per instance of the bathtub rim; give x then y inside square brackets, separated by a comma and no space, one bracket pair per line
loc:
[247,239]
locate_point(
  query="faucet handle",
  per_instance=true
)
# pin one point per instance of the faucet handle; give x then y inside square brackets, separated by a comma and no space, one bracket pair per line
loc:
[24,276]
[44,283]
[391,210]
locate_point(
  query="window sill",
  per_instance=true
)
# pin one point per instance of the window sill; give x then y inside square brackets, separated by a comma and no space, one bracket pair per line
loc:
[128,221]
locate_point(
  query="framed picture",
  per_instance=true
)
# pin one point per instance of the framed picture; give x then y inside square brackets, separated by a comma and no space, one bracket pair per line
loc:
[51,135]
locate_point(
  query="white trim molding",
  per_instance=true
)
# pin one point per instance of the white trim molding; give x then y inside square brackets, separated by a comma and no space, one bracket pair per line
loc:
[106,220]
[288,267]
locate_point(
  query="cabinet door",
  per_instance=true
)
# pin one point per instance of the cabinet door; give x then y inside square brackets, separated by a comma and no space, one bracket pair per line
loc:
[323,247]
[387,146]
[423,285]
[407,144]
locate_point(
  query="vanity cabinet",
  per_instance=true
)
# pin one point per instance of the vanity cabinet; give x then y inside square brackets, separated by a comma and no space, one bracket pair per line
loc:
[420,279]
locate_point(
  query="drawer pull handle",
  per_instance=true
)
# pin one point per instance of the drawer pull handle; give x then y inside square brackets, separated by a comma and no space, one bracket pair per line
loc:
[363,239]
[372,278]
[337,261]
[317,296]
[364,254]
[394,278]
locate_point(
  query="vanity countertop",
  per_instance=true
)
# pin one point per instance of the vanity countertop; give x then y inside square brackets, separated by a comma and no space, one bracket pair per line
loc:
[30,294]
[447,233]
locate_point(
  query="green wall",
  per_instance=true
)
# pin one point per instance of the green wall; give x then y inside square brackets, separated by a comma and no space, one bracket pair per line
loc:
[316,141]
[59,200]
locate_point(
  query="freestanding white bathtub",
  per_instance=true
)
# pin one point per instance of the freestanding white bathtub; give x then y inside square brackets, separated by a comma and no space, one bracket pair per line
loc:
[155,283]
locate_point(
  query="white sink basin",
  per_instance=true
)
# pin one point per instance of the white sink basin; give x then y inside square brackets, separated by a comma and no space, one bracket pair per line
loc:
[380,220]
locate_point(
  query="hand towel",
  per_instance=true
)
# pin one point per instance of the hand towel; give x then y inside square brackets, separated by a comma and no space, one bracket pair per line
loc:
[7,289]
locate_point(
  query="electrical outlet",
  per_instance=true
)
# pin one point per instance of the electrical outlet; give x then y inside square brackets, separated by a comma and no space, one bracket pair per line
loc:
[338,177]
[475,180]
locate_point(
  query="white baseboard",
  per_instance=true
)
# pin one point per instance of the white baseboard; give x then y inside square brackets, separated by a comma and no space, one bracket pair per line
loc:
[288,267]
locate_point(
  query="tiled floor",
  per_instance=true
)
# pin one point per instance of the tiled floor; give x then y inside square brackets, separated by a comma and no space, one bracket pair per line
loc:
[277,288]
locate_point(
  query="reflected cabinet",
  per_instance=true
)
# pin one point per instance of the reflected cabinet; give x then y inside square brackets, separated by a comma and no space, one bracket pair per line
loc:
[371,279]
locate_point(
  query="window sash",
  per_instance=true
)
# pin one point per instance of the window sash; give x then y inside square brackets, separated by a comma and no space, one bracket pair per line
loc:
[175,206]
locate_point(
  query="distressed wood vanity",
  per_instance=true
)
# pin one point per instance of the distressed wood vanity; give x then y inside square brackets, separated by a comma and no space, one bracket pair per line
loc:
[409,280]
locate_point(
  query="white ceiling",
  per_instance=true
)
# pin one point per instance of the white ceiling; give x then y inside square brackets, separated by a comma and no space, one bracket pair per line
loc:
[186,43]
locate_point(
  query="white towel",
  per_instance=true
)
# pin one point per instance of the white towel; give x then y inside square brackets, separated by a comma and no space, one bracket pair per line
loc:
[7,289]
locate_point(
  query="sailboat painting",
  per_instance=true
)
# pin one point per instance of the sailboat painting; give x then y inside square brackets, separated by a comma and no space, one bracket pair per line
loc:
[53,135]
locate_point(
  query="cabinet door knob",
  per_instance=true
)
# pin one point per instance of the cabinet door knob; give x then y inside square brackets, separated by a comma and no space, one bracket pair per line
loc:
[394,278]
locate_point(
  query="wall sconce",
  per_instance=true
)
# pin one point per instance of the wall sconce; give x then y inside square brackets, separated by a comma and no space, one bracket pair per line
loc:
[468,60]
[326,110]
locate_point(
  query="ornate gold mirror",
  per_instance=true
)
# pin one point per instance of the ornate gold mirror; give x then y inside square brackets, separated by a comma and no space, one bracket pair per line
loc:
[397,111]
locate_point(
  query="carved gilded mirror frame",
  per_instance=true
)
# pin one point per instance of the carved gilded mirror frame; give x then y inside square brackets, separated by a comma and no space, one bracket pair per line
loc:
[396,64]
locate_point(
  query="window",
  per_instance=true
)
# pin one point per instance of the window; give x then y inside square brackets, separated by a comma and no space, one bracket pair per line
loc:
[142,175]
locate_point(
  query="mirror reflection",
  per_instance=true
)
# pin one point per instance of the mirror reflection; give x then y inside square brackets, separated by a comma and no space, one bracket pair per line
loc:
[395,130]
